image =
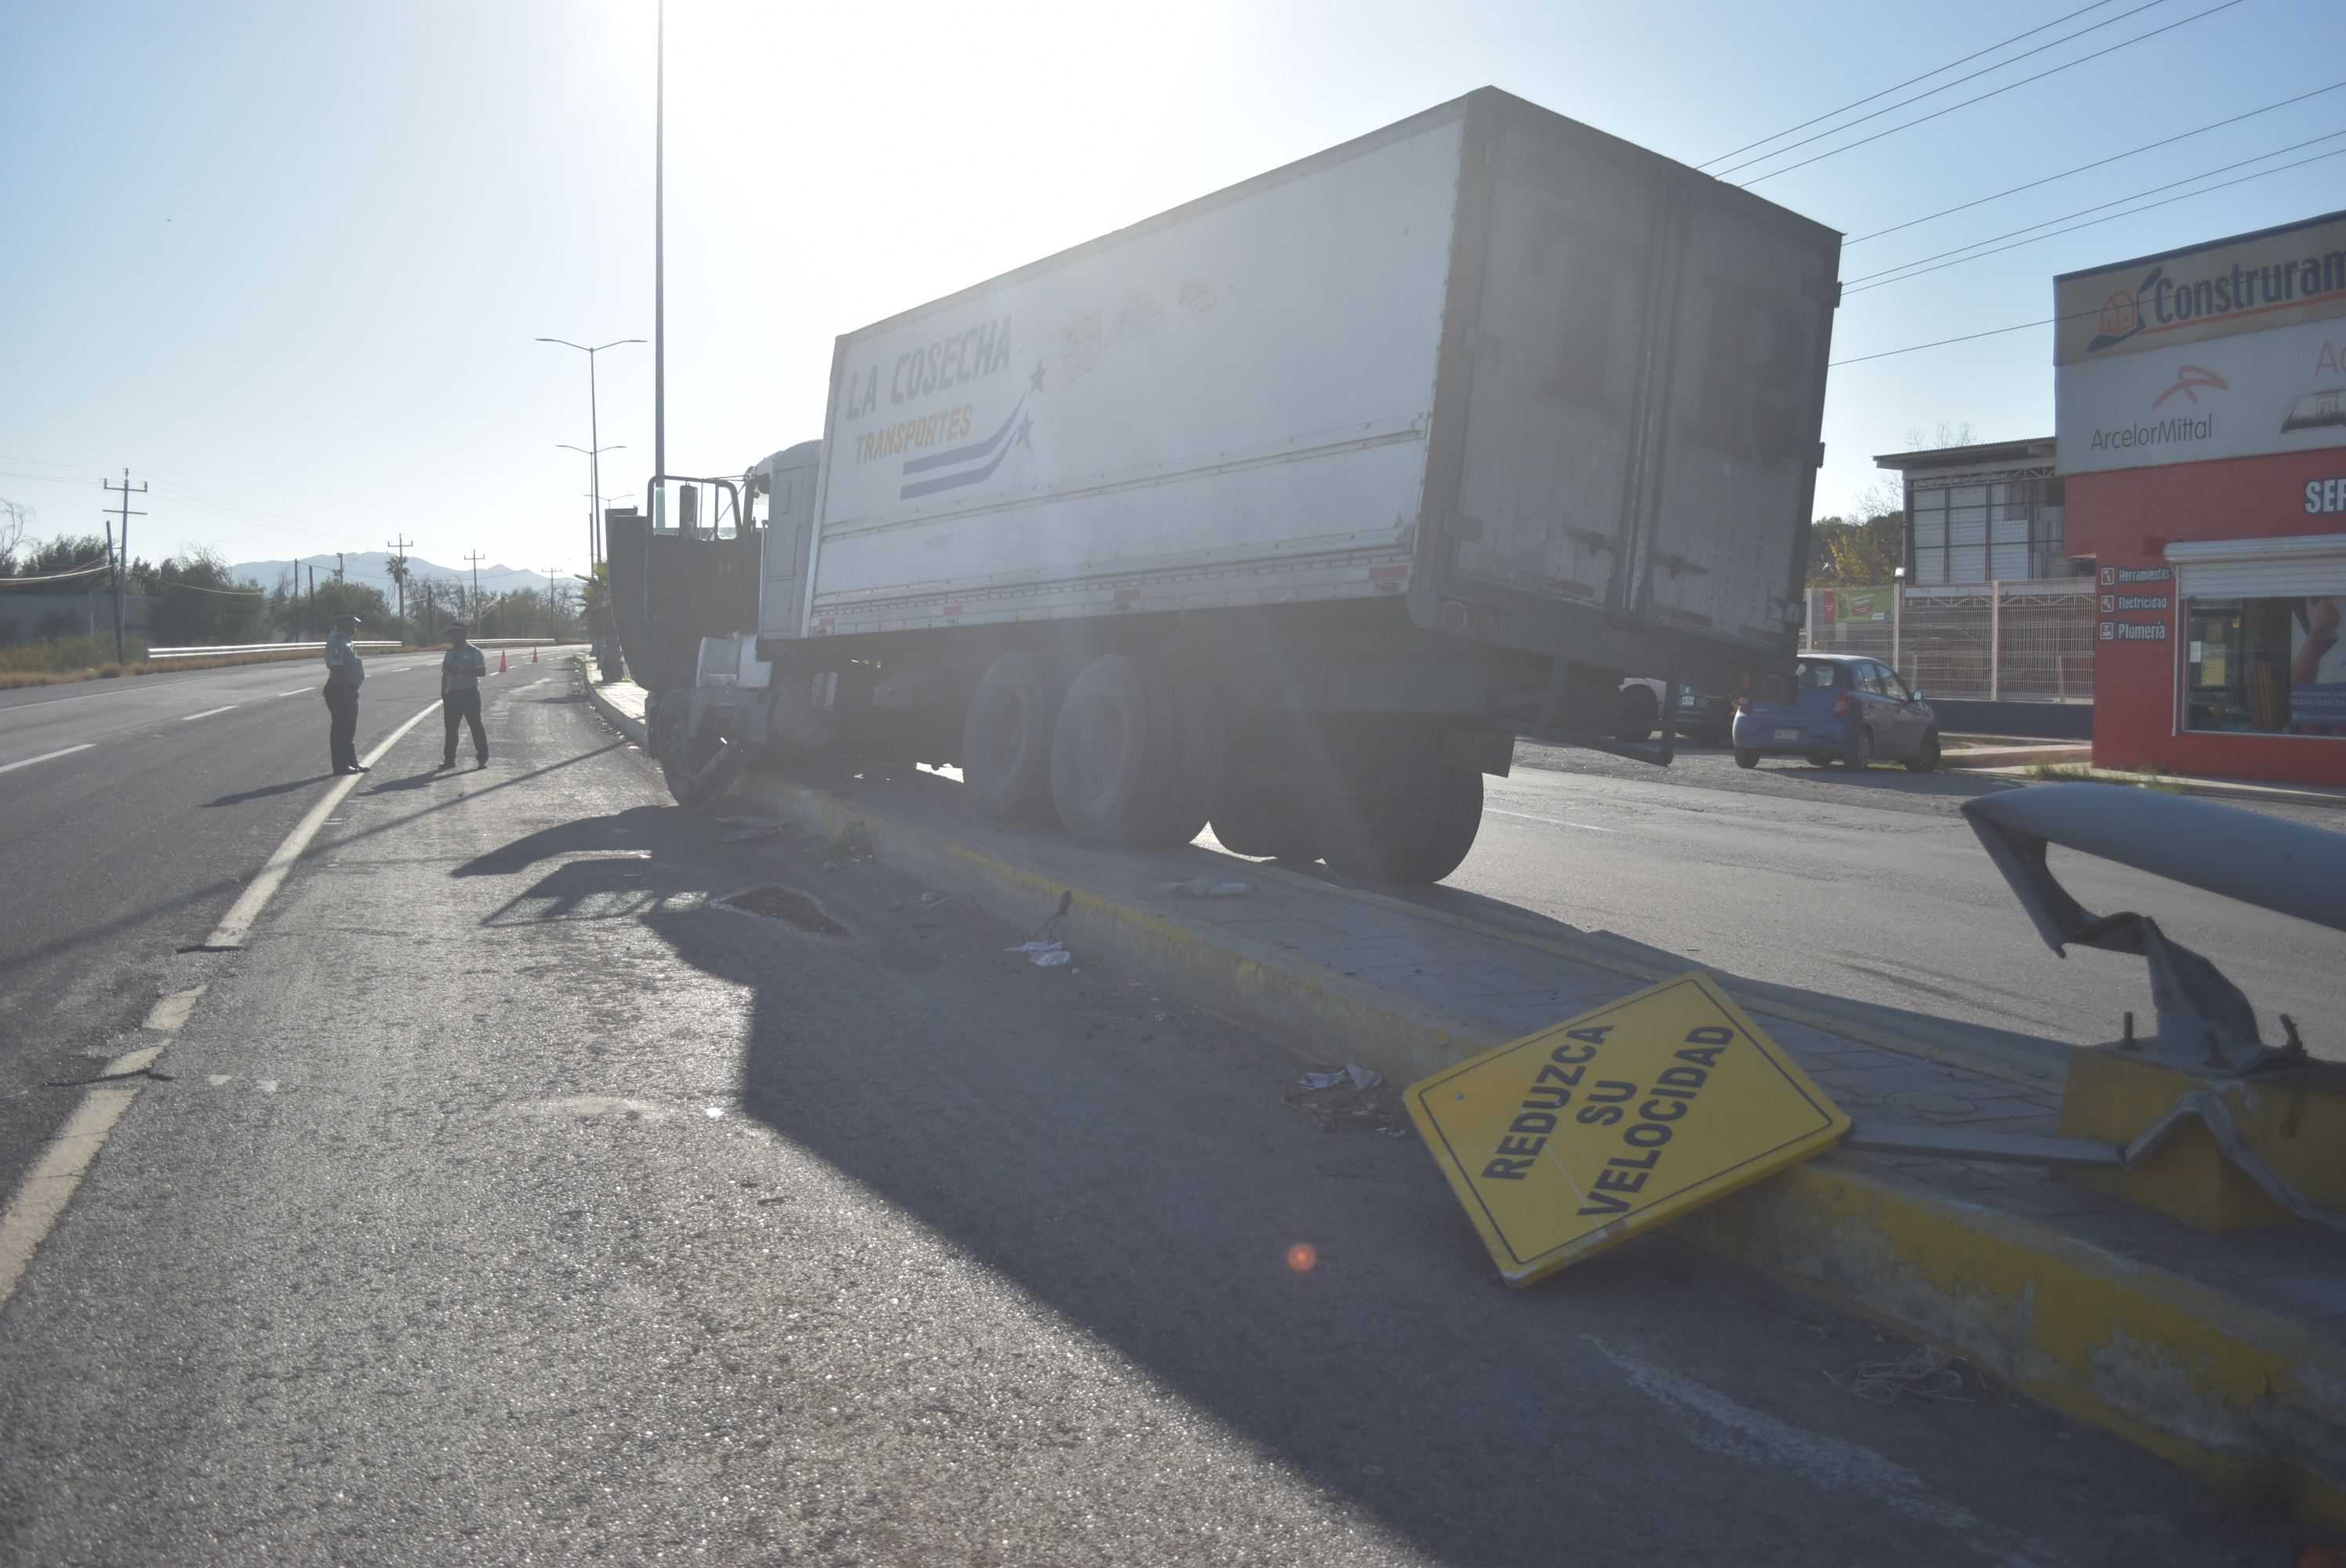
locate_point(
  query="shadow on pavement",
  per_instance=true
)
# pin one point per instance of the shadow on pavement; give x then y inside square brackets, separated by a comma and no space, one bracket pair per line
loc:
[266,791]
[1132,1170]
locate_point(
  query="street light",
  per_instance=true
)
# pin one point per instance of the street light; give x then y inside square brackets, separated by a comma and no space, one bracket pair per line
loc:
[594,518]
[594,438]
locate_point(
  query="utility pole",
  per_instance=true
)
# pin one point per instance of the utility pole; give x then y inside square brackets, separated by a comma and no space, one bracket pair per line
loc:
[121,566]
[338,565]
[659,257]
[399,569]
[476,558]
[310,621]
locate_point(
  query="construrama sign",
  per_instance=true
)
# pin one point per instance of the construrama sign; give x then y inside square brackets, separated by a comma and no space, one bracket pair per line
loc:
[2249,283]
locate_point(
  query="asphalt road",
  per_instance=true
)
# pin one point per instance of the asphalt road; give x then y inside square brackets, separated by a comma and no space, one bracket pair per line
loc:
[504,1201]
[132,813]
[1864,886]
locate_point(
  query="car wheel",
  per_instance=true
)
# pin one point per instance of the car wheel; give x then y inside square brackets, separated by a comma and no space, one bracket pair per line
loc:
[1860,756]
[1746,758]
[1819,759]
[1927,757]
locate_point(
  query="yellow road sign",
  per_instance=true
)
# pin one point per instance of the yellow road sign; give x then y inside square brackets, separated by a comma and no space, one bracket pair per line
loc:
[1567,1141]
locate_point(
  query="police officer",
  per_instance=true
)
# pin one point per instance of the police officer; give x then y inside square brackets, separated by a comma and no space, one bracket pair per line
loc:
[345,672]
[461,669]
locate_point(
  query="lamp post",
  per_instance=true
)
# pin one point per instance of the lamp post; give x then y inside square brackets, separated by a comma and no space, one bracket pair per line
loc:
[594,439]
[594,518]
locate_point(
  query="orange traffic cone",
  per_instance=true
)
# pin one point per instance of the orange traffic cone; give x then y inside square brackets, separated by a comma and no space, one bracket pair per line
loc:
[533,655]
[500,661]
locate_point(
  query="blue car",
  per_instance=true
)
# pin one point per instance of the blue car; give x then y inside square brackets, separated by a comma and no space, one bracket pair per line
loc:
[1846,709]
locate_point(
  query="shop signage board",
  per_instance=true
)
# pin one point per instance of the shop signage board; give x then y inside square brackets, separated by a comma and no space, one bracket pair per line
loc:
[1569,1141]
[2240,284]
[2277,390]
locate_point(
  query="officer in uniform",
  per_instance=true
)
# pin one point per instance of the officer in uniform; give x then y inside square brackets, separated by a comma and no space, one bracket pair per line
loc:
[461,669]
[345,672]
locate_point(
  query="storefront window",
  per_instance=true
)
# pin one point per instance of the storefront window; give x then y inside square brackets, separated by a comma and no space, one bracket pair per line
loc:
[2266,665]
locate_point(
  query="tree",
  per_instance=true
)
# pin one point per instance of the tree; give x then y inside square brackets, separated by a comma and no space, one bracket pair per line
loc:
[199,603]
[16,521]
[1863,552]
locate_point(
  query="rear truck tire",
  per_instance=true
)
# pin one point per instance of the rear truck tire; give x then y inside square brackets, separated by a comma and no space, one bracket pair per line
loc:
[1194,775]
[1397,814]
[1925,759]
[1114,753]
[1860,756]
[1007,735]
[1746,758]
[1639,715]
[1260,815]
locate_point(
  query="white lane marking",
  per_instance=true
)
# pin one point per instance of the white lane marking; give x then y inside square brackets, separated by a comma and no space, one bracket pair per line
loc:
[169,1011]
[50,1184]
[45,756]
[209,711]
[297,691]
[232,930]
[1831,1463]
[1549,822]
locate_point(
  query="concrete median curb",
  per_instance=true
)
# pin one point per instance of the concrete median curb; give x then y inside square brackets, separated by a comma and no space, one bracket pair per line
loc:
[2250,1401]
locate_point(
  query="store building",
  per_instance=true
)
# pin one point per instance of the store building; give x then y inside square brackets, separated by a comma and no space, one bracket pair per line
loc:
[1987,512]
[2200,415]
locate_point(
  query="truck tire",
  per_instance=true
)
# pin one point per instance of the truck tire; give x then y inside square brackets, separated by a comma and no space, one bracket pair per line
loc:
[1114,751]
[1640,712]
[1194,776]
[1006,737]
[1260,815]
[683,755]
[1400,816]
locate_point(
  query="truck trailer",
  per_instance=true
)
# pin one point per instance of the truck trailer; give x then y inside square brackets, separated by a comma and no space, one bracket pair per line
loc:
[1289,509]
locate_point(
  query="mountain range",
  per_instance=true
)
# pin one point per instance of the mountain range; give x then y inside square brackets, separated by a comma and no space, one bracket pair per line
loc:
[373,567]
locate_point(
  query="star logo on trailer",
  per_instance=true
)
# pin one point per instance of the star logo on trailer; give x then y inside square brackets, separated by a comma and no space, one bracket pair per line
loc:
[975,463]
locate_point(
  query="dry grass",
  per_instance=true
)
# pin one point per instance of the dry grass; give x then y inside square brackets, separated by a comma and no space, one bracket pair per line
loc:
[2057,772]
[21,676]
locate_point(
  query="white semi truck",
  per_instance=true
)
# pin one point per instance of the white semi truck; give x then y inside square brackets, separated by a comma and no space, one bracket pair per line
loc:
[1289,509]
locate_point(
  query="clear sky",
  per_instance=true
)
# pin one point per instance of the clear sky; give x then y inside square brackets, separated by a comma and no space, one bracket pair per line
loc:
[285,260]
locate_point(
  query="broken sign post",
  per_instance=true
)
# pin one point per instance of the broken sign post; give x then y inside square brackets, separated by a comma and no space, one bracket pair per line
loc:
[1568,1141]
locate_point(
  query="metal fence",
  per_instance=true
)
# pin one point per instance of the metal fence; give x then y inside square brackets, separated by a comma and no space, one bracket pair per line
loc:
[2010,642]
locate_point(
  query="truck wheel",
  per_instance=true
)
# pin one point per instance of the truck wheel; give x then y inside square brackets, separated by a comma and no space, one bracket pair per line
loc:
[683,756]
[1195,775]
[1639,713]
[1256,814]
[1114,751]
[1006,737]
[1402,818]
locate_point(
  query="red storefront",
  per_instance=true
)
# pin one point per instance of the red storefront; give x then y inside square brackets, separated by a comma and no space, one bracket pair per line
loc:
[2202,444]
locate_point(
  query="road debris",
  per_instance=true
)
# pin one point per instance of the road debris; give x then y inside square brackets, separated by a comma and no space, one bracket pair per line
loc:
[1206,888]
[1350,1098]
[1044,955]
[1928,1372]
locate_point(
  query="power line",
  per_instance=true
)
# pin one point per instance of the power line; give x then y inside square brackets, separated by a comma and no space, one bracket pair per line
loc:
[199,589]
[1951,109]
[1943,86]
[57,576]
[2097,163]
[1867,278]
[2109,217]
[1909,82]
